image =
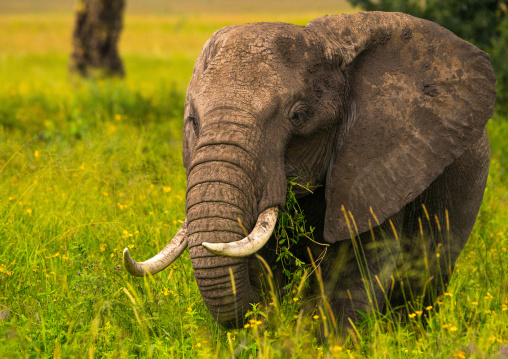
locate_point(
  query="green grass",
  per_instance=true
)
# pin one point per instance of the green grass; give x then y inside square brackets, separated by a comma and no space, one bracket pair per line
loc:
[87,169]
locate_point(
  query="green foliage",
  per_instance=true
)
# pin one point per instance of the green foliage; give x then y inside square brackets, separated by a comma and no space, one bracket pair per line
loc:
[481,22]
[499,54]
[290,229]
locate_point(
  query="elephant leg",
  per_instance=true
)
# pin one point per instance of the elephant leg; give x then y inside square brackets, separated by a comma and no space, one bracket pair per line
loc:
[357,273]
[438,224]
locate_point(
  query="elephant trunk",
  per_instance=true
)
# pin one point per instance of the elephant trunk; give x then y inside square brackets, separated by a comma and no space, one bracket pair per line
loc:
[219,194]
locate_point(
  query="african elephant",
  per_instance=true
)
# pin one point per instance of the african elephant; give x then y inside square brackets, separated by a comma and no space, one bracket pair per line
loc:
[383,114]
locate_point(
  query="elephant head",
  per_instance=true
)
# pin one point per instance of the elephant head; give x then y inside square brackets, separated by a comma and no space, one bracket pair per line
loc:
[371,106]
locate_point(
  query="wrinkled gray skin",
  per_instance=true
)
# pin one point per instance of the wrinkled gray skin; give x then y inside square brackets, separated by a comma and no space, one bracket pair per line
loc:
[374,110]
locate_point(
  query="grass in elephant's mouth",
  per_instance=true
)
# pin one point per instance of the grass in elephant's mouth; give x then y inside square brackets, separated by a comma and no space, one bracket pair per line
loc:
[87,170]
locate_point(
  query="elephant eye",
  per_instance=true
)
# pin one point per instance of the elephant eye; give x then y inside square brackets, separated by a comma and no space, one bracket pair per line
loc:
[298,115]
[195,125]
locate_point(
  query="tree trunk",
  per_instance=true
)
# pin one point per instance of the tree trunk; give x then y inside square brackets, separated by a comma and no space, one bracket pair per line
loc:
[95,38]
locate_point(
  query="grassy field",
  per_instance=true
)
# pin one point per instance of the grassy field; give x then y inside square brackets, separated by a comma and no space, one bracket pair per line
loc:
[207,7]
[87,169]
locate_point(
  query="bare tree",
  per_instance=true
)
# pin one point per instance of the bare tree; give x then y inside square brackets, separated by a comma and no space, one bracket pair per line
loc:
[95,39]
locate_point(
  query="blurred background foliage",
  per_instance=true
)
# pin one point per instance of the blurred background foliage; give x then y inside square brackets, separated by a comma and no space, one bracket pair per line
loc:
[481,22]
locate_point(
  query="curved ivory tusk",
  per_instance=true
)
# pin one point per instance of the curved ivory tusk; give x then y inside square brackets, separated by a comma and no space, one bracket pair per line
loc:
[253,242]
[163,259]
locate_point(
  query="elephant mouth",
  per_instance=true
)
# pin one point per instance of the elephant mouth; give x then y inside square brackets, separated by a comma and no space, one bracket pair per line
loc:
[241,248]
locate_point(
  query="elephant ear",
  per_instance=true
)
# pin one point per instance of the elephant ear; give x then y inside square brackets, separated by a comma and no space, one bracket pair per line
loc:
[420,97]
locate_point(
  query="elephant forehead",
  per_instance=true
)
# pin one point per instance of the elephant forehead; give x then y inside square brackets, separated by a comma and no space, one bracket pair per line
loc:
[268,37]
[271,43]
[255,64]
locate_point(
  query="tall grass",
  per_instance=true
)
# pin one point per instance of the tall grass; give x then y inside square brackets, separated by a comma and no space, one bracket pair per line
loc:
[87,169]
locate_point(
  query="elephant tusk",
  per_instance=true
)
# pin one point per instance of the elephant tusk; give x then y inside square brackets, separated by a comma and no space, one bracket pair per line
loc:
[163,259]
[253,242]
